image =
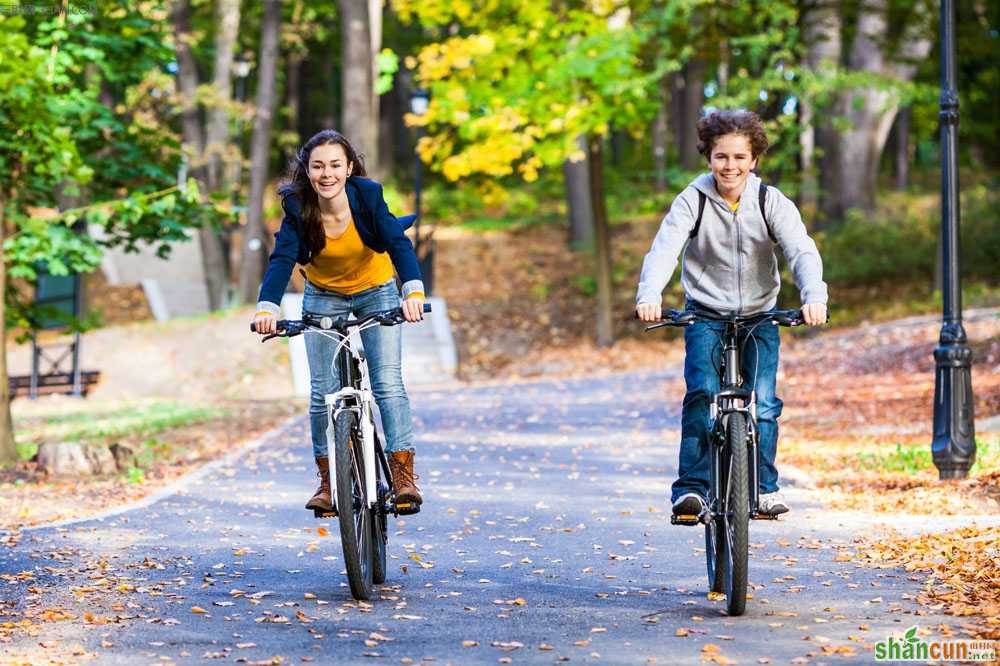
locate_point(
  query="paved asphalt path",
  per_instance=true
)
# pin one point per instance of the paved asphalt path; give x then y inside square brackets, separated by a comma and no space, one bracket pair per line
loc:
[545,538]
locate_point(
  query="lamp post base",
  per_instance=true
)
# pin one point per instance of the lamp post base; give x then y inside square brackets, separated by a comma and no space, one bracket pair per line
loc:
[954,446]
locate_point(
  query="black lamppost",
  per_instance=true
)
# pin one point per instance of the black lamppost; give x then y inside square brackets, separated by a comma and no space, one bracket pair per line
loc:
[419,101]
[954,445]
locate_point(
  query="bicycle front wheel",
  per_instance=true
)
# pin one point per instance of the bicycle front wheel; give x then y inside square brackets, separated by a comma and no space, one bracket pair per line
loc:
[356,529]
[716,551]
[380,531]
[737,513]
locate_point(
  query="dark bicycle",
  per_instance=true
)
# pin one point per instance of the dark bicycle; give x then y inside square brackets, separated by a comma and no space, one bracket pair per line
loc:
[364,494]
[733,495]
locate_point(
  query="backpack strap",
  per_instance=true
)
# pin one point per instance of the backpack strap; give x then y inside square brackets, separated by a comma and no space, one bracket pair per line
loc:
[701,211]
[762,201]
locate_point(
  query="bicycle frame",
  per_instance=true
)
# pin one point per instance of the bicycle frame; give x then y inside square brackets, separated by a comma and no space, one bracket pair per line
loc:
[355,395]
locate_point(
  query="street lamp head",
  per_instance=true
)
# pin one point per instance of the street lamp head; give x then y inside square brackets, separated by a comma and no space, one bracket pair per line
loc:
[419,101]
[241,67]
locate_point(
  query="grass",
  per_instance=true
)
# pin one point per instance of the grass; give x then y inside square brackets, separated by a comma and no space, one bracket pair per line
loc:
[915,459]
[104,426]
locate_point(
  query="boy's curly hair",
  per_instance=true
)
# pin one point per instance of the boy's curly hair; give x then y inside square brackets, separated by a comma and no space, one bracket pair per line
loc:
[720,123]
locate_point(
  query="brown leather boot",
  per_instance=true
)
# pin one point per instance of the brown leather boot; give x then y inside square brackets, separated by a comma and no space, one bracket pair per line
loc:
[321,499]
[401,467]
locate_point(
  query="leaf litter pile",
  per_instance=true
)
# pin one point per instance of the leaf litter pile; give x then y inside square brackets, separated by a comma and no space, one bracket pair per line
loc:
[963,568]
[858,420]
[858,417]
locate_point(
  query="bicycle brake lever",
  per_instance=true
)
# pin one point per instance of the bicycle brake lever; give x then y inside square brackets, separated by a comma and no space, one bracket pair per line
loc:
[656,326]
[268,337]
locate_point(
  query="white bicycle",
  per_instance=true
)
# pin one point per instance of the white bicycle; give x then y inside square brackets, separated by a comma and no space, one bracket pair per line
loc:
[364,494]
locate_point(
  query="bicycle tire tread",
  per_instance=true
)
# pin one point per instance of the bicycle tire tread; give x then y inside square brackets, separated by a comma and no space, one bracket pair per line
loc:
[739,510]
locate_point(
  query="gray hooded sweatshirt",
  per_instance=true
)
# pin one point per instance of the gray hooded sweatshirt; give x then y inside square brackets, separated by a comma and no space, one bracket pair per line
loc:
[730,266]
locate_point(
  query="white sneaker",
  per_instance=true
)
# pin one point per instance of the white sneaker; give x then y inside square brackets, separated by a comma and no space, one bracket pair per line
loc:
[772,504]
[689,504]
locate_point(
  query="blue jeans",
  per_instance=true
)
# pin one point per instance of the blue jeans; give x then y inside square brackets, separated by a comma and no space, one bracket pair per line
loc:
[703,346]
[384,350]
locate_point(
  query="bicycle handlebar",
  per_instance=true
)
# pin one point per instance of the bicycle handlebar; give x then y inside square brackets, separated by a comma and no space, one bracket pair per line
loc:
[288,328]
[680,318]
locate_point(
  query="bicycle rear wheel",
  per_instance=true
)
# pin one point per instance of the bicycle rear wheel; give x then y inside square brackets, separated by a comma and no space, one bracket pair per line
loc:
[737,514]
[356,528]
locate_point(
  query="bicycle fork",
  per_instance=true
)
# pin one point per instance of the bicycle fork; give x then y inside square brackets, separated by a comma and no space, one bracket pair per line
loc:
[360,402]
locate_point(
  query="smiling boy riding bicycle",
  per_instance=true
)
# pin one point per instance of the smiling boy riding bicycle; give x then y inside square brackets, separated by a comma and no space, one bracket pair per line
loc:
[730,222]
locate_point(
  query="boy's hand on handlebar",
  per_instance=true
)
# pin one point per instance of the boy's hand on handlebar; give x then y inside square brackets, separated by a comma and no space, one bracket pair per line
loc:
[649,311]
[814,314]
[413,309]
[265,323]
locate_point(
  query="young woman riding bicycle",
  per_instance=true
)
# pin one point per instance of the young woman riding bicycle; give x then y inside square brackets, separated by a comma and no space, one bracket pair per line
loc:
[337,225]
[729,266]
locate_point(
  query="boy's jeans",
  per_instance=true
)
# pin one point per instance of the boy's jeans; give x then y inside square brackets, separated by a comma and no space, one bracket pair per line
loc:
[383,348]
[703,345]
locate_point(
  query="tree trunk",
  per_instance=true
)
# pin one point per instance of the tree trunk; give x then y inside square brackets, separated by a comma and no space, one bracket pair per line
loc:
[687,95]
[252,265]
[821,29]
[8,450]
[581,214]
[661,135]
[375,33]
[293,98]
[213,257]
[694,97]
[675,116]
[187,85]
[870,111]
[602,245]
[357,119]
[216,141]
[390,122]
[227,25]
[903,149]
[807,198]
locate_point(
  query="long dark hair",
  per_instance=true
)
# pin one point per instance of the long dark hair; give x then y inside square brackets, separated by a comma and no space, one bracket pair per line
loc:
[297,182]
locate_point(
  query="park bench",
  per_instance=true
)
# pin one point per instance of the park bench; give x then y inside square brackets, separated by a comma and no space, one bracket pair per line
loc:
[55,366]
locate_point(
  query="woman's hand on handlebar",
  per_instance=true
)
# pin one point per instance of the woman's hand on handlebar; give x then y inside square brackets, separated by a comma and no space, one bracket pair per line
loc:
[413,309]
[265,323]
[649,312]
[814,314]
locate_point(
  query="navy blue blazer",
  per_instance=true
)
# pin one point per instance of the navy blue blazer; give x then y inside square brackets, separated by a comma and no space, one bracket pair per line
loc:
[379,229]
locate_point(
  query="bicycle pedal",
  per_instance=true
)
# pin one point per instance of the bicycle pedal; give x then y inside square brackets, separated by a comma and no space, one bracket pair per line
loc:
[407,508]
[763,516]
[321,513]
[685,520]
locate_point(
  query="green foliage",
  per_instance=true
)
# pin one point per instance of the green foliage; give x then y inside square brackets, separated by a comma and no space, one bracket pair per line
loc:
[903,244]
[513,91]
[60,136]
[387,63]
[918,458]
[36,149]
[910,459]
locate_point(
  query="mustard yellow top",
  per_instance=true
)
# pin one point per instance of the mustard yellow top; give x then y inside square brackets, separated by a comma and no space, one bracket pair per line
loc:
[348,266]
[734,206]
